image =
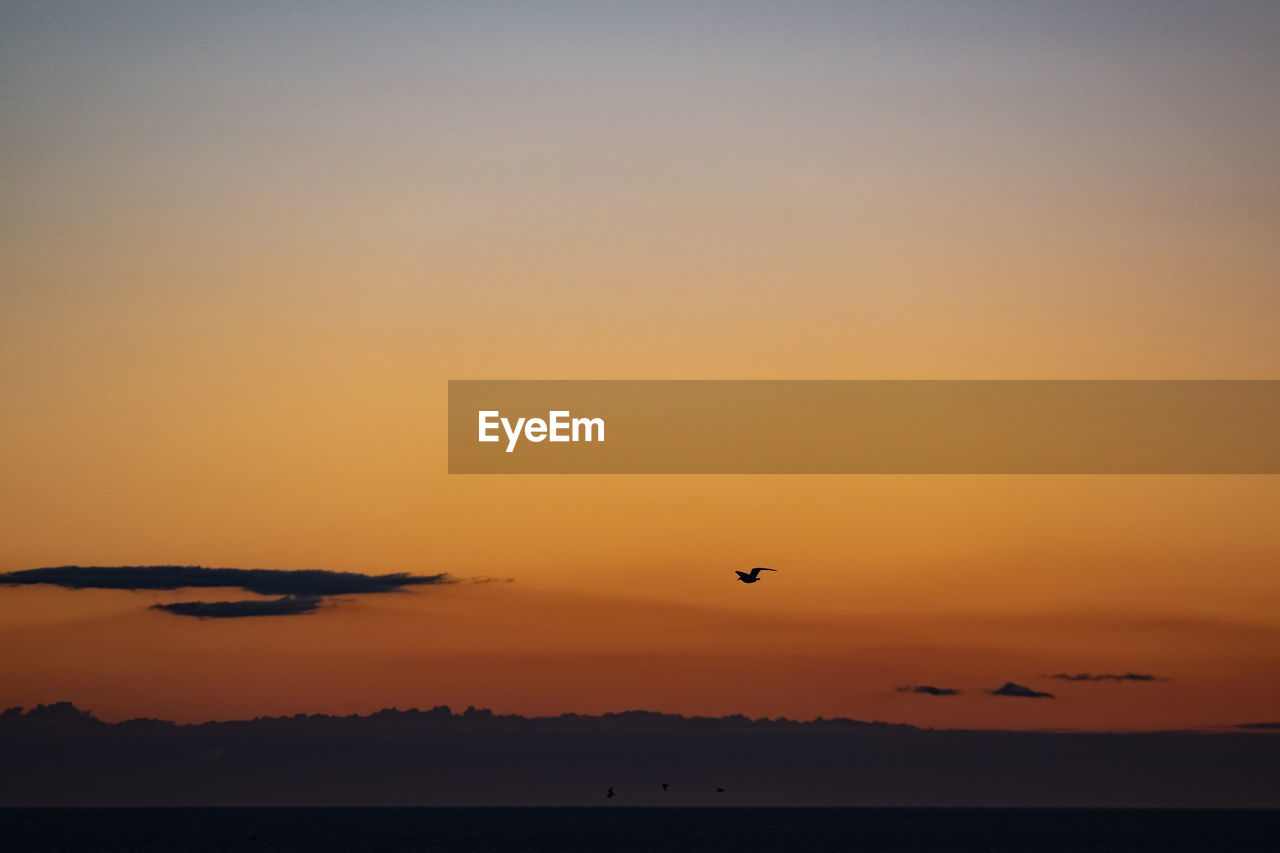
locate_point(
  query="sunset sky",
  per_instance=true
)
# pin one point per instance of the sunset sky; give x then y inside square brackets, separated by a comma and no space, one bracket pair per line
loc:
[246,246]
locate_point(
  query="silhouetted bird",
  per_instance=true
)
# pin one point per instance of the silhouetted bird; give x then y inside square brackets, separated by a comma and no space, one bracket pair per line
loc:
[665,786]
[610,794]
[753,575]
[719,790]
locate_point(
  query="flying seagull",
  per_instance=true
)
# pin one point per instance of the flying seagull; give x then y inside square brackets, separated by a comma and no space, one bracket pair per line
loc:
[753,575]
[665,785]
[609,794]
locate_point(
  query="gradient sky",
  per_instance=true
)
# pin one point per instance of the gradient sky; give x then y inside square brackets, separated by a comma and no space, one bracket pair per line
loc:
[245,246]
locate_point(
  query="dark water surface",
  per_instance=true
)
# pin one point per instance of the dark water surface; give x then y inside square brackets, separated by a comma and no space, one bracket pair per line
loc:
[142,830]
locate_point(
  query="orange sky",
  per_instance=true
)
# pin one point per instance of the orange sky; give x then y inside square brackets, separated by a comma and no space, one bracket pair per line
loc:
[246,250]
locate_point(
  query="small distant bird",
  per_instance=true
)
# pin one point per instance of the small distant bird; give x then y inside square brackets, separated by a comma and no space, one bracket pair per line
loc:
[753,575]
[610,794]
[665,786]
[719,790]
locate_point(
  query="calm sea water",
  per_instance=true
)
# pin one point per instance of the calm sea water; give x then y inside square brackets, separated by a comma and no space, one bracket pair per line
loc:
[635,829]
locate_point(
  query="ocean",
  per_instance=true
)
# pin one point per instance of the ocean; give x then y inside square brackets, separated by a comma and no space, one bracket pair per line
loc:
[567,830]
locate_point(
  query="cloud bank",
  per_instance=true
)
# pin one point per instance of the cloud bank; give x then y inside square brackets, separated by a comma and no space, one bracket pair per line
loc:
[298,592]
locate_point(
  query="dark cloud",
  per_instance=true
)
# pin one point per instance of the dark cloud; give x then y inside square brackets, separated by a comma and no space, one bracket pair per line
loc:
[260,581]
[1259,726]
[929,690]
[289,605]
[1011,689]
[299,592]
[1106,676]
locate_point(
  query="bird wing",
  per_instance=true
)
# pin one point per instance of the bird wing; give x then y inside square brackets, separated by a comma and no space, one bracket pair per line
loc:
[758,569]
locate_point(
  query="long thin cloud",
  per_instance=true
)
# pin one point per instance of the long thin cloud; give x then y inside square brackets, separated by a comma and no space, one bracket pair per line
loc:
[289,605]
[260,581]
[1107,676]
[298,592]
